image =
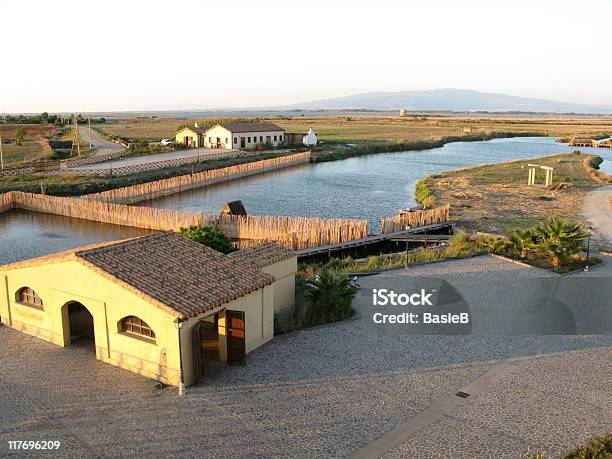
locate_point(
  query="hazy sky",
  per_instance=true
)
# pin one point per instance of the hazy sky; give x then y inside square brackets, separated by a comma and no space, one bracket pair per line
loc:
[136,55]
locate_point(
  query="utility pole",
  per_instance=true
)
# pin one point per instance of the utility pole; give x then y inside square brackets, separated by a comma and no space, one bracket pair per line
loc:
[1,155]
[75,141]
[89,123]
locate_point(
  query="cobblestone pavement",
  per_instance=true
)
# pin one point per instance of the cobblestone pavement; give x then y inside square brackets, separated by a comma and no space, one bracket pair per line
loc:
[321,392]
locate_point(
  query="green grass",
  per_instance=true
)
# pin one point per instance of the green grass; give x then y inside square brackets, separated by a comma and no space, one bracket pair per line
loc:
[458,247]
[30,150]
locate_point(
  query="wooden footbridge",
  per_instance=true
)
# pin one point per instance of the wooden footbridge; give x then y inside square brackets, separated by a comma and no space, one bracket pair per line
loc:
[416,234]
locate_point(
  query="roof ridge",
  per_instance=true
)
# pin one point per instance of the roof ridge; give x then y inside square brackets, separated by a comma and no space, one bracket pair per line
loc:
[122,242]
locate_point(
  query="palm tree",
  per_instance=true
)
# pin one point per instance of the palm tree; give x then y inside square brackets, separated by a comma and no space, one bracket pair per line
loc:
[559,239]
[522,242]
[331,296]
[494,244]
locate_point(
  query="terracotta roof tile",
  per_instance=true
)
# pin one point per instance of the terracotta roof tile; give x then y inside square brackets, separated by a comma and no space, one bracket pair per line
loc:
[259,126]
[176,272]
[262,255]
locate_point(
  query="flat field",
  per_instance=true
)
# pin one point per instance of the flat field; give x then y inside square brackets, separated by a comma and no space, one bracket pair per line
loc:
[34,147]
[496,198]
[381,128]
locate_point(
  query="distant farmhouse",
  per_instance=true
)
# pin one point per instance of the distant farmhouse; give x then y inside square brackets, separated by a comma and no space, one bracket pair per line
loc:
[192,137]
[152,304]
[232,135]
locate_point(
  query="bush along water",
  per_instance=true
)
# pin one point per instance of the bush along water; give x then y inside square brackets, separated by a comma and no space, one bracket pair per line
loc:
[459,246]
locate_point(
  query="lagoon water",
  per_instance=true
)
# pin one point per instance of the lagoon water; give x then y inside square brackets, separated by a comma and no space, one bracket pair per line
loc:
[369,187]
[25,234]
[372,186]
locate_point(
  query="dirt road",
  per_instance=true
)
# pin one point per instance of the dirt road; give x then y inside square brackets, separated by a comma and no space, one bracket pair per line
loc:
[101,145]
[598,209]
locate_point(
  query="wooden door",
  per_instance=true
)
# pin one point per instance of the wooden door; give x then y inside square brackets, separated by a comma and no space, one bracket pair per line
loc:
[236,350]
[210,340]
[205,341]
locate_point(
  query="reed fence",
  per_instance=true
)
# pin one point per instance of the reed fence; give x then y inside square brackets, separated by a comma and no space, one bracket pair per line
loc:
[150,190]
[411,219]
[7,201]
[292,232]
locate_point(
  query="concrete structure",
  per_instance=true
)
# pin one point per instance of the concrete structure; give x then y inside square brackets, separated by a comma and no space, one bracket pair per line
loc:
[244,135]
[131,300]
[192,137]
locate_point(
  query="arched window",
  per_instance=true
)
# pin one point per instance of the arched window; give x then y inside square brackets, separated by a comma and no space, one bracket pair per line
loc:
[28,296]
[132,325]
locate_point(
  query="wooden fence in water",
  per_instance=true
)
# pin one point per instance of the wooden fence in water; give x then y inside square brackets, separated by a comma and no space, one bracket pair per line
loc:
[7,201]
[150,190]
[292,232]
[411,219]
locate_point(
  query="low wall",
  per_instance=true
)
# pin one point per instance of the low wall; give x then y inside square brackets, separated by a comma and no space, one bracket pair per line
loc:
[150,190]
[291,232]
[94,159]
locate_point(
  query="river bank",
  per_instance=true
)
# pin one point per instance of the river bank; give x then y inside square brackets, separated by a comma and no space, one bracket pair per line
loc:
[495,197]
[345,151]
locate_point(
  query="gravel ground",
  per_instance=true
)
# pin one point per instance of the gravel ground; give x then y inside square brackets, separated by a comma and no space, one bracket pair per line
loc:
[321,392]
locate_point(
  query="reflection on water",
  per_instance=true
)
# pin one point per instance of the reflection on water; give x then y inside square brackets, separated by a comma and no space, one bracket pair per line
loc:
[369,187]
[25,234]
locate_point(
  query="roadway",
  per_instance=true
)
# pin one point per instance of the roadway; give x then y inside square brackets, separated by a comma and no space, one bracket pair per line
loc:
[102,146]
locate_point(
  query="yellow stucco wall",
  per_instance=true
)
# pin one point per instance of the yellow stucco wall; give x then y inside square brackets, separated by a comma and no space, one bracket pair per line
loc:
[186,132]
[258,307]
[60,283]
[284,286]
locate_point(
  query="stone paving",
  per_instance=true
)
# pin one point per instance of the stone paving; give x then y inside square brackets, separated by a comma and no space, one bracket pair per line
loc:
[321,392]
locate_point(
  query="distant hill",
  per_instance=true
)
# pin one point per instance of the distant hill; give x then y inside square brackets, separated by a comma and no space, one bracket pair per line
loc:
[448,100]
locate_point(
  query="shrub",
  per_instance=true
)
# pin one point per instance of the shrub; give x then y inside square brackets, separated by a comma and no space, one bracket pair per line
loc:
[330,296]
[19,135]
[422,191]
[533,455]
[598,447]
[559,240]
[210,237]
[493,244]
[285,321]
[521,242]
[460,237]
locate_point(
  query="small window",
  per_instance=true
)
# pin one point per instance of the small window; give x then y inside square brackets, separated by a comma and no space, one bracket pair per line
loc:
[249,140]
[280,137]
[28,296]
[235,139]
[132,325]
[275,138]
[226,140]
[261,138]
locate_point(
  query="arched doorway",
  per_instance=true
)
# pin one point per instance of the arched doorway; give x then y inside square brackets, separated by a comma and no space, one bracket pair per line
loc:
[81,325]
